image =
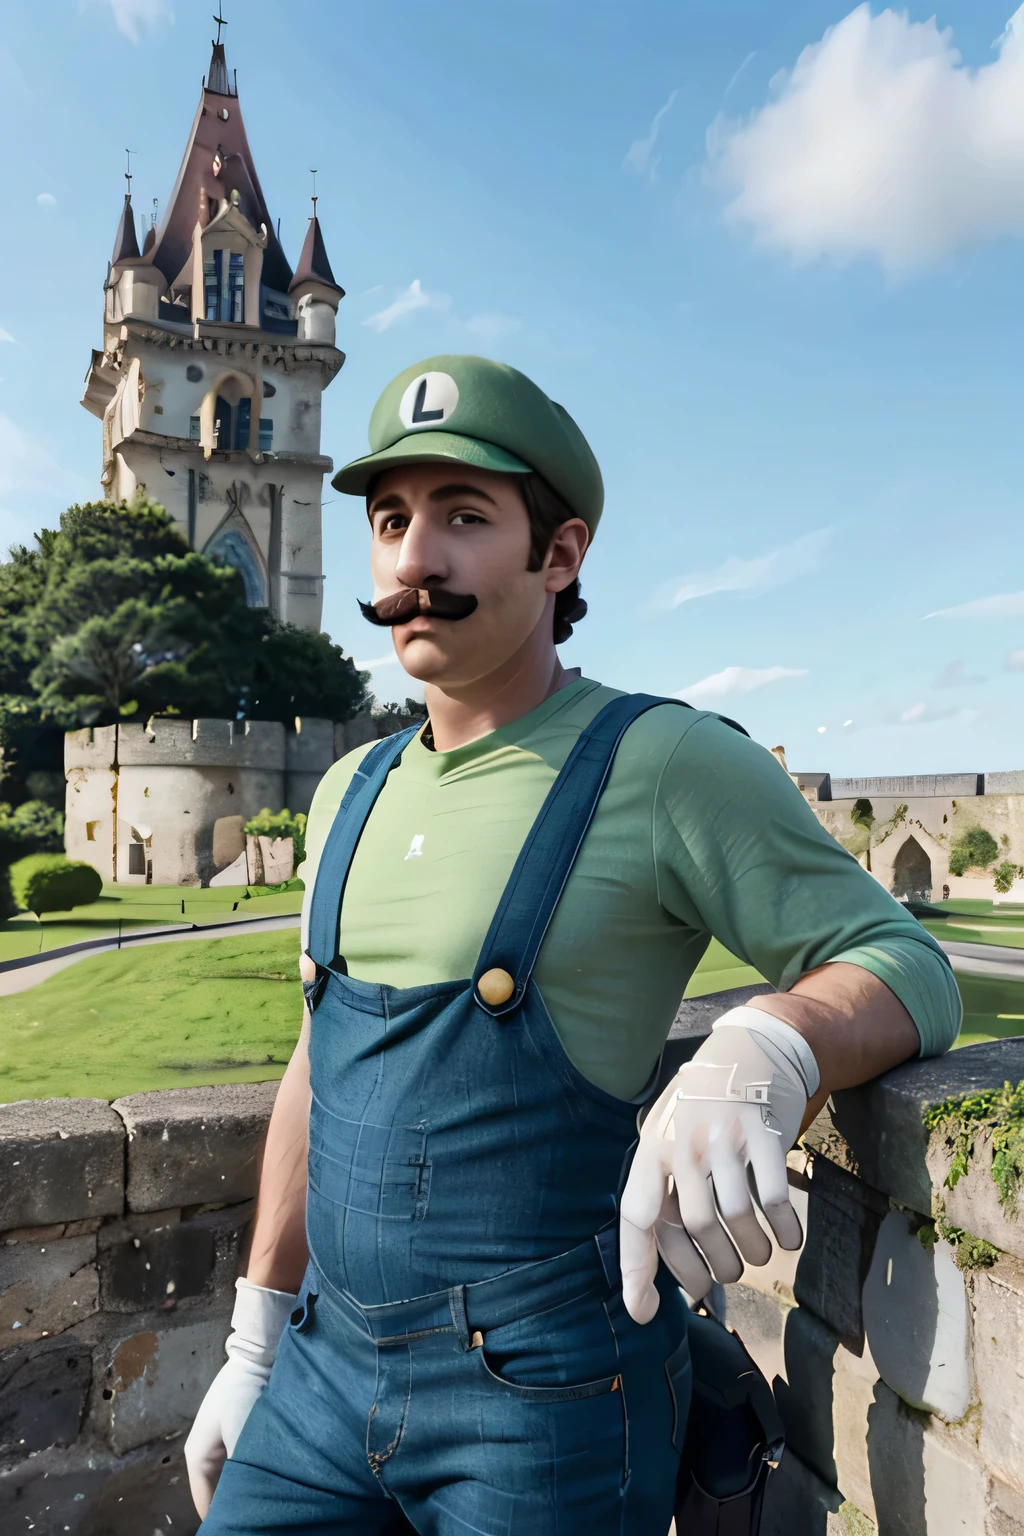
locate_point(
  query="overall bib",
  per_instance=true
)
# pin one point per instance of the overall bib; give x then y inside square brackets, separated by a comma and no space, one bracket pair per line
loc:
[460,1360]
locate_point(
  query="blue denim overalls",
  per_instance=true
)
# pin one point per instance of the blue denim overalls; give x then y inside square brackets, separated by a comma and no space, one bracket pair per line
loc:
[460,1359]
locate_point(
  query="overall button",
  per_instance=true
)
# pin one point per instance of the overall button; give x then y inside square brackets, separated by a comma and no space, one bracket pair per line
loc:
[495,987]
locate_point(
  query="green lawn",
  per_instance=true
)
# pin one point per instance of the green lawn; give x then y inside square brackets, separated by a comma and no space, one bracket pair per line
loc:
[122,909]
[227,1011]
[156,1016]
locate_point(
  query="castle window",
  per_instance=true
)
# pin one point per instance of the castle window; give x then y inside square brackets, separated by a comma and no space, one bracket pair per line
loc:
[193,429]
[236,289]
[243,422]
[136,859]
[221,423]
[211,284]
[266,434]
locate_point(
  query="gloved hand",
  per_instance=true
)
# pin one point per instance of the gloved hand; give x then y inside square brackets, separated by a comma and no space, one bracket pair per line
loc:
[722,1127]
[257,1323]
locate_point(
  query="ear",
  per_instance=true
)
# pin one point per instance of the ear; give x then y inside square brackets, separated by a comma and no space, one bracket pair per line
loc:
[565,555]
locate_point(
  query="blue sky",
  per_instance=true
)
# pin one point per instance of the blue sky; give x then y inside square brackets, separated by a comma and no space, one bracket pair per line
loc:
[774,272]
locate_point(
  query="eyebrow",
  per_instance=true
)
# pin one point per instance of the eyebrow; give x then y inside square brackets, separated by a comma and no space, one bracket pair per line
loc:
[395,502]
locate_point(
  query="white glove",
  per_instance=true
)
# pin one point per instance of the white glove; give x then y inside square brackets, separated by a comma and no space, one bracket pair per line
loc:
[257,1323]
[722,1127]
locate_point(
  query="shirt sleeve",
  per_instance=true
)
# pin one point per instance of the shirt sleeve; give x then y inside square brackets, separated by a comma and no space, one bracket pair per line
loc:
[327,797]
[740,854]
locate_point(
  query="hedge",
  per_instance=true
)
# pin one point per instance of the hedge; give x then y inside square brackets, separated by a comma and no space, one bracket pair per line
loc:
[48,882]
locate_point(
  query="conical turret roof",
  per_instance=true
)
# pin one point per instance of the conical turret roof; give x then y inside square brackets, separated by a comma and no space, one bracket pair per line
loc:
[314,265]
[126,241]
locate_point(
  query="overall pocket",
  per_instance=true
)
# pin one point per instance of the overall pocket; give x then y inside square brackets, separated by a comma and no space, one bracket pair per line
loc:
[679,1371]
[559,1354]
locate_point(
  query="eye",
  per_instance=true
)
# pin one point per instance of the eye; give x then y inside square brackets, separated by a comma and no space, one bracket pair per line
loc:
[468,517]
[393,522]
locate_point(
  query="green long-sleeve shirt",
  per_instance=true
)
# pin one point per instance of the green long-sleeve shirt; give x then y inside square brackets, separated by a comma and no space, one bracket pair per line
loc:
[699,833]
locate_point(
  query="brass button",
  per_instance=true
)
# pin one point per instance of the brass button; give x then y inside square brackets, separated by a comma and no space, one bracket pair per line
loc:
[495,987]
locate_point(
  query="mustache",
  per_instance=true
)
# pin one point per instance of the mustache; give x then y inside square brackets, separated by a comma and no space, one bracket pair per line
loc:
[400,607]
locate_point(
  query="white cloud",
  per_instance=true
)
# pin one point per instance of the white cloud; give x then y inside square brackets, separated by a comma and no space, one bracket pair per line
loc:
[881,142]
[640,156]
[751,576]
[956,675]
[489,327]
[415,297]
[390,660]
[1004,605]
[926,714]
[735,77]
[733,680]
[46,200]
[822,729]
[133,17]
[6,336]
[1015,661]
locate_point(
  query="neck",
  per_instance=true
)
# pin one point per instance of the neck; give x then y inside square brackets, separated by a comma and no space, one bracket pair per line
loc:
[461,715]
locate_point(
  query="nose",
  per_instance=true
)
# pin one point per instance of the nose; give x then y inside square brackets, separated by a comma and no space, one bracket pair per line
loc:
[422,561]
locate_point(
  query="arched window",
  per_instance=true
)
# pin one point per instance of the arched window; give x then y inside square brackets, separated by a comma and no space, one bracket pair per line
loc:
[912,873]
[234,545]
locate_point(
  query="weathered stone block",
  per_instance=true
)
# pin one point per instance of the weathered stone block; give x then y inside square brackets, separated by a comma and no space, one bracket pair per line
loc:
[173,1261]
[843,1217]
[192,1146]
[88,1492]
[998,1356]
[798,1503]
[916,1320]
[156,1379]
[805,1396]
[46,1287]
[974,1201]
[160,1270]
[877,1131]
[42,1397]
[1005,1510]
[60,1160]
[759,1319]
[926,1480]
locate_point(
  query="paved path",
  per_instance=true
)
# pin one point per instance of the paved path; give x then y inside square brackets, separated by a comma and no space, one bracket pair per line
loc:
[995,960]
[30,970]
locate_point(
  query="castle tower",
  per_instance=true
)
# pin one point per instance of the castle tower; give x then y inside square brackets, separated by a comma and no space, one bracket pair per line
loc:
[215,356]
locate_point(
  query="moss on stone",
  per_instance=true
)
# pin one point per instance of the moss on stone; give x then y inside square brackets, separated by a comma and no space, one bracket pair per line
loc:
[1000,1111]
[853,1520]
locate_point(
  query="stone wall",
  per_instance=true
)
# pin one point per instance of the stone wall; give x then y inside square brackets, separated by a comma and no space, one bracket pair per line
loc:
[894,1338]
[122,1230]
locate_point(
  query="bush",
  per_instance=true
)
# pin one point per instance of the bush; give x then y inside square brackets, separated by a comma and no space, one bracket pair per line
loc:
[281,824]
[1005,874]
[48,882]
[973,849]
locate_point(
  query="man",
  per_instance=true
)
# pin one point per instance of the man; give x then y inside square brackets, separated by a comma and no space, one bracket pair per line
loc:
[507,906]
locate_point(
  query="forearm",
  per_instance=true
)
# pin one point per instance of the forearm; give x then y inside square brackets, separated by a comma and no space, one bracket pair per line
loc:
[855,1026]
[278,1253]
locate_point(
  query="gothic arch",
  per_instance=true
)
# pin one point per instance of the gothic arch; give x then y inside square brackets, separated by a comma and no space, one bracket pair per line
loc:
[245,386]
[234,542]
[912,873]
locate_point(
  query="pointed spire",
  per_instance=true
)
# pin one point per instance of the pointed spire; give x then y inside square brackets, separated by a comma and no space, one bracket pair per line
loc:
[217,80]
[126,241]
[314,265]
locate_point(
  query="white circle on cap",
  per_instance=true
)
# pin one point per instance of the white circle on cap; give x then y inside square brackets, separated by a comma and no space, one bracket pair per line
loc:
[428,401]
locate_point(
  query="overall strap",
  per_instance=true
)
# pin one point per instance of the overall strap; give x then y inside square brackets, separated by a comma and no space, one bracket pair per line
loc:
[529,900]
[332,872]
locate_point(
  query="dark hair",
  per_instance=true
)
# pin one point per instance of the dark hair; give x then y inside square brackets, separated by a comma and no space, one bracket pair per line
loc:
[547,512]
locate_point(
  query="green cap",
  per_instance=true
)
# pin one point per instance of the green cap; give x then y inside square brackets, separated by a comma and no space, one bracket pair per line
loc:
[475,411]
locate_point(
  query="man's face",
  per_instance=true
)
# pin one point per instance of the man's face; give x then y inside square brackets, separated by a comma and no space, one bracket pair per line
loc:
[467,531]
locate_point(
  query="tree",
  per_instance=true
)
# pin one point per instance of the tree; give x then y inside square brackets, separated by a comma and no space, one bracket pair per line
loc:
[112,615]
[862,815]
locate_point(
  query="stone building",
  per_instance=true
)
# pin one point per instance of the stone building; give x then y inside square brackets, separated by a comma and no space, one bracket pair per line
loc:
[166,803]
[215,356]
[908,830]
